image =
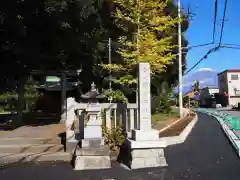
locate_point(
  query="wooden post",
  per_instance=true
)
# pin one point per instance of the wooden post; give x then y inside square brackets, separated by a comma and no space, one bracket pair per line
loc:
[64,106]
[63,95]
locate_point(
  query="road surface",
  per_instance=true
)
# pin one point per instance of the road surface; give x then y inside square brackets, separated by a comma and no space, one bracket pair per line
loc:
[205,155]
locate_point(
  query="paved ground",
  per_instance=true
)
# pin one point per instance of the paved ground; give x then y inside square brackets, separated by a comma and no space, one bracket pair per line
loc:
[205,155]
[231,112]
[42,131]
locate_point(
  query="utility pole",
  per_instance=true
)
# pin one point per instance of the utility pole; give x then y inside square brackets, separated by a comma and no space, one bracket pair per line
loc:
[180,76]
[110,62]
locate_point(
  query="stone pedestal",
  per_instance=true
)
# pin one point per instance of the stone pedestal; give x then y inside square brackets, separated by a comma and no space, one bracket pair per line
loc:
[144,149]
[92,155]
[145,154]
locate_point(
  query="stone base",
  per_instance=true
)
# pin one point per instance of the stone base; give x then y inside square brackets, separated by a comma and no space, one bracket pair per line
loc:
[140,135]
[92,142]
[150,144]
[88,158]
[92,162]
[147,157]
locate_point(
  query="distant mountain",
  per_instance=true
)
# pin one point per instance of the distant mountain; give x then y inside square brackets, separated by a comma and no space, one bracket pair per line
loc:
[205,76]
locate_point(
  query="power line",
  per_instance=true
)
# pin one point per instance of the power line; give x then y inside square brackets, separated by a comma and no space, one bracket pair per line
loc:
[204,57]
[196,46]
[207,44]
[220,42]
[198,5]
[214,27]
[215,19]
[230,47]
[223,22]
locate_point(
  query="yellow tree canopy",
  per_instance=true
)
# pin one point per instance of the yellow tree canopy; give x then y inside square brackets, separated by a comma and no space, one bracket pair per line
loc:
[142,20]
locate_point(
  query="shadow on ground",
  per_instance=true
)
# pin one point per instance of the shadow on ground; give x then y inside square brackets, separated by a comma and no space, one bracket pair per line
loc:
[205,155]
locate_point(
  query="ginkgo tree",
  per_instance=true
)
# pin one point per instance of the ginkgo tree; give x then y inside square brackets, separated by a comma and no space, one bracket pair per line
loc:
[146,38]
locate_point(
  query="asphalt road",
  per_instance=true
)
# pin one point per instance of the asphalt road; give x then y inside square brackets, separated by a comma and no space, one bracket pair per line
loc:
[205,155]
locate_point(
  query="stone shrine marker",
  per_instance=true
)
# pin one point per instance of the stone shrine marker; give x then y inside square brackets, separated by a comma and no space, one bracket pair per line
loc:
[144,149]
[144,101]
[145,131]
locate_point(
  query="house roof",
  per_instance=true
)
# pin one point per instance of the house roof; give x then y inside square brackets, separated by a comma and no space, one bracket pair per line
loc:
[55,86]
[55,72]
[230,70]
[187,93]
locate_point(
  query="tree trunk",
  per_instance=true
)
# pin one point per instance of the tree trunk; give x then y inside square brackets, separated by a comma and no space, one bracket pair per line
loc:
[20,101]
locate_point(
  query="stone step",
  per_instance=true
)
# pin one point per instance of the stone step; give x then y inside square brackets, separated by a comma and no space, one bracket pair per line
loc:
[31,148]
[10,158]
[24,140]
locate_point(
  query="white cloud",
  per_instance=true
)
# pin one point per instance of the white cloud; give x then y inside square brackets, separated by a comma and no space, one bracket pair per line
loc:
[205,69]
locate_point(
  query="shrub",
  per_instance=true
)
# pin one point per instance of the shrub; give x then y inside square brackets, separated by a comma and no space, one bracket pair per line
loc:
[9,99]
[114,138]
[115,96]
[161,103]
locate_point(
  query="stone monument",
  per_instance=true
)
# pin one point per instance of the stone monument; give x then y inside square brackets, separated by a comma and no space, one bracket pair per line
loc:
[91,152]
[144,149]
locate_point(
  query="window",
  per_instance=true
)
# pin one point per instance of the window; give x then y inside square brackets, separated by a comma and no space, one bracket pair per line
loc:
[234,77]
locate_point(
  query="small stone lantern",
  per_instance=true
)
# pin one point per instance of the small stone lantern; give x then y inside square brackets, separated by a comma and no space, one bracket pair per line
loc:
[92,153]
[92,96]
[93,127]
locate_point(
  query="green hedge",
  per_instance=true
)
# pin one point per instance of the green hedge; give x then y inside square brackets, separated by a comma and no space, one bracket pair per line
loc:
[8,101]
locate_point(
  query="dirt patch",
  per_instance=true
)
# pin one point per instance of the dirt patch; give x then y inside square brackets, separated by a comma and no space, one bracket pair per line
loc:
[164,121]
[177,128]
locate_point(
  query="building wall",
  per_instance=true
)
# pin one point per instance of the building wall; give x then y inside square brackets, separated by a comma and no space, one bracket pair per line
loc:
[213,90]
[233,87]
[223,83]
[233,83]
[207,92]
[223,88]
[205,95]
[229,82]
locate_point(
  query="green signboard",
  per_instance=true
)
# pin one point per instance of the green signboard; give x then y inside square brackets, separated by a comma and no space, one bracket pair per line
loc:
[53,79]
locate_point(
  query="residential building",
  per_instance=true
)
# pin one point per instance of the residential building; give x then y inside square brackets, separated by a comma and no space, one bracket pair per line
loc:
[229,86]
[207,96]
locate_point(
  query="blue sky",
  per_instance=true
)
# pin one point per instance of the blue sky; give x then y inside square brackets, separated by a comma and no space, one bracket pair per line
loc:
[201,29]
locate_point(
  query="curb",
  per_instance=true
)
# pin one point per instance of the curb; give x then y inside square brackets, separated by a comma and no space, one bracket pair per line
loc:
[183,136]
[235,141]
[186,114]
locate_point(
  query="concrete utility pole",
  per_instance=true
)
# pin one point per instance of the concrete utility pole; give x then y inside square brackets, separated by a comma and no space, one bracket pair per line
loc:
[180,76]
[110,62]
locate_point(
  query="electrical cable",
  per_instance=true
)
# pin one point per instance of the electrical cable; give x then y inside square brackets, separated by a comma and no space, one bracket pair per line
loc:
[223,22]
[214,28]
[230,47]
[215,19]
[216,47]
[204,57]
[197,6]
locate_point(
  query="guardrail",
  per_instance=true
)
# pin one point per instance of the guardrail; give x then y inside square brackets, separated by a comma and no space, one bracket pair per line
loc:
[227,118]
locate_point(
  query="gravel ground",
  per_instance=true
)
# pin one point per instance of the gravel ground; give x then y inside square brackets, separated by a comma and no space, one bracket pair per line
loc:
[205,155]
